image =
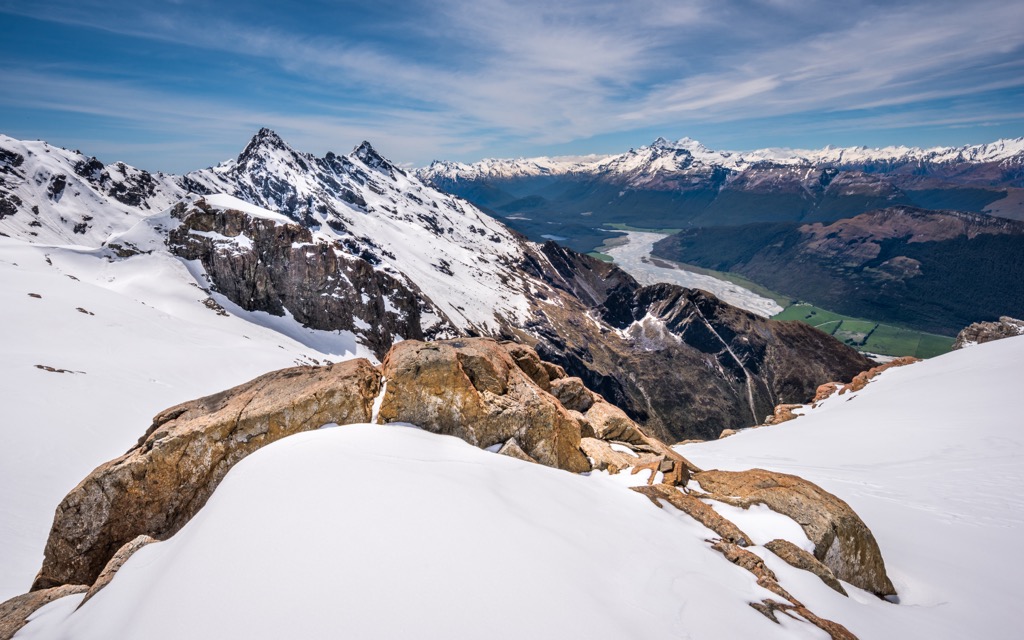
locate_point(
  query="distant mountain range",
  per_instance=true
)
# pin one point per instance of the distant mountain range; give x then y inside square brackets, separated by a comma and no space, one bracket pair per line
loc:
[684,184]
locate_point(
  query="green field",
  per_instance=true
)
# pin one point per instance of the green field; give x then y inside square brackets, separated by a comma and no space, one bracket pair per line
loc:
[867,335]
[604,257]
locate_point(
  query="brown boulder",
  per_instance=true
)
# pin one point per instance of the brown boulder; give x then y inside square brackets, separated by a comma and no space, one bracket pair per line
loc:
[572,393]
[797,557]
[604,457]
[611,423]
[157,486]
[14,612]
[483,392]
[841,539]
[783,413]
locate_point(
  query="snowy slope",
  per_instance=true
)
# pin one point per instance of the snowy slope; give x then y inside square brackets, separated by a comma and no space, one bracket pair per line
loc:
[931,456]
[133,337]
[369,531]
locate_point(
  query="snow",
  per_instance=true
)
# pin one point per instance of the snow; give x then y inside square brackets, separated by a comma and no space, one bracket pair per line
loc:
[150,343]
[634,257]
[224,201]
[386,532]
[931,456]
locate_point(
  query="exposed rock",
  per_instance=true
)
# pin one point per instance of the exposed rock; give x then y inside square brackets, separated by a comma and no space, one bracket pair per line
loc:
[573,394]
[698,510]
[157,486]
[262,265]
[801,559]
[480,391]
[980,332]
[513,450]
[726,433]
[14,612]
[766,578]
[604,458]
[841,539]
[746,559]
[783,413]
[862,379]
[531,364]
[826,390]
[611,423]
[115,564]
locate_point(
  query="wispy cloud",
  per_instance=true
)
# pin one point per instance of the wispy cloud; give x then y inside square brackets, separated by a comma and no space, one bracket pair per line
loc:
[449,78]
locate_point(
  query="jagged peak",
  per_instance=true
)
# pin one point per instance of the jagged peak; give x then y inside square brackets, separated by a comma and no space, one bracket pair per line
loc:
[265,139]
[369,156]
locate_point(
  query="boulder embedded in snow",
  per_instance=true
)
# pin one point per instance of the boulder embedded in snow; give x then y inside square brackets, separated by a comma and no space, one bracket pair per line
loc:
[797,557]
[841,539]
[483,392]
[157,486]
[14,612]
[783,413]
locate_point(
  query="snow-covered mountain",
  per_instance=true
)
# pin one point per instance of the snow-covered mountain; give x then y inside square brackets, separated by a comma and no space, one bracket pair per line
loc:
[665,156]
[352,244]
[683,184]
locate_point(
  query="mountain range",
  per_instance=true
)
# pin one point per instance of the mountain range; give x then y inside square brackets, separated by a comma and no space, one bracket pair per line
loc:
[684,184]
[354,247]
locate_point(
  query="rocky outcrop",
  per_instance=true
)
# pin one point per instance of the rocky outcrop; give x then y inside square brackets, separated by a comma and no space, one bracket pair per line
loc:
[698,510]
[15,612]
[157,486]
[481,390]
[767,579]
[115,564]
[475,389]
[797,557]
[783,413]
[841,539]
[980,332]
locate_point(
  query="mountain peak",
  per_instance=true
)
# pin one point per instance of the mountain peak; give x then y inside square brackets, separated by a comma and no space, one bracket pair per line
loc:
[265,139]
[372,159]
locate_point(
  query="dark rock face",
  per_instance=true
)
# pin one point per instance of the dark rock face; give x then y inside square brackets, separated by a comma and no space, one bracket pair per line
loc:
[680,361]
[261,265]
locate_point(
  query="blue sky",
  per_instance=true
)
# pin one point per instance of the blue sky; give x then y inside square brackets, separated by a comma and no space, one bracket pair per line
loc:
[183,84]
